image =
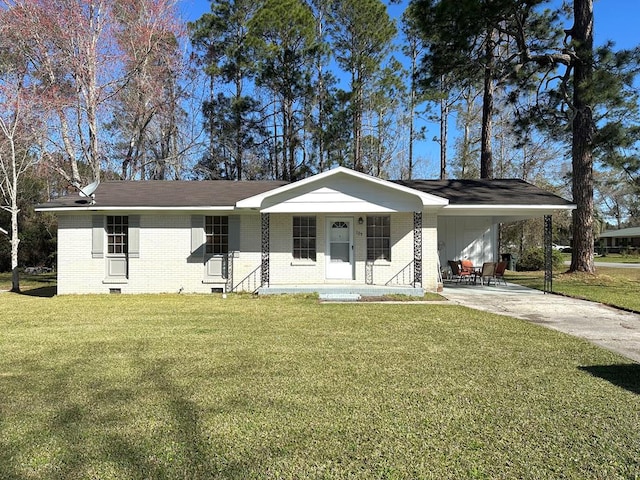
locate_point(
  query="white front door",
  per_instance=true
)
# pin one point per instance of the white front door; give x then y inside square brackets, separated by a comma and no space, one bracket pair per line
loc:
[339,258]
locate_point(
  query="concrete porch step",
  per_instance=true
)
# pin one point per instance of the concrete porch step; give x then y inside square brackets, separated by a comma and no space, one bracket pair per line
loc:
[343,290]
[340,297]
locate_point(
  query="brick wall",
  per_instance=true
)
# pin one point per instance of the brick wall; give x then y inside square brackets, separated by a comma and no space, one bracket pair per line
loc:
[165,263]
[285,270]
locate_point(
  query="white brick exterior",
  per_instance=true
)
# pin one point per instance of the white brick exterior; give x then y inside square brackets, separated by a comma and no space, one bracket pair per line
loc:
[166,251]
[78,272]
[285,270]
[166,265]
[430,263]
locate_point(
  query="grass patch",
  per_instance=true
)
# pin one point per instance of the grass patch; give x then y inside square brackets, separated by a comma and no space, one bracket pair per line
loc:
[612,286]
[45,283]
[194,386]
[609,258]
[397,297]
[616,258]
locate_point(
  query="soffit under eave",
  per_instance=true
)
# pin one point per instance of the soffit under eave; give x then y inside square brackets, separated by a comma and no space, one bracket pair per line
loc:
[512,212]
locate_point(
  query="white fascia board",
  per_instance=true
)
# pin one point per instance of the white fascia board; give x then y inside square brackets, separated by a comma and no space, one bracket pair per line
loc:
[621,233]
[329,208]
[426,198]
[93,208]
[503,210]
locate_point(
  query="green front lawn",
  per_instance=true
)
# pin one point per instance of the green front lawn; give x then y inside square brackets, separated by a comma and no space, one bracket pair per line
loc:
[616,258]
[612,286]
[30,282]
[200,387]
[609,258]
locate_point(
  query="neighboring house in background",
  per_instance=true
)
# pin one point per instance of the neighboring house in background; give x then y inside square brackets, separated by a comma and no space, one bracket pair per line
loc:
[616,241]
[337,228]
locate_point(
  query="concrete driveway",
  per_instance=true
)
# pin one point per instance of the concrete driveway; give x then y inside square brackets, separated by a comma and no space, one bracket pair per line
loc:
[614,329]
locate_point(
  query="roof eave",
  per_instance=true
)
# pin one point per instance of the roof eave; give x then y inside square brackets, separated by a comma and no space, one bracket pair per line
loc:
[97,208]
[505,210]
[427,199]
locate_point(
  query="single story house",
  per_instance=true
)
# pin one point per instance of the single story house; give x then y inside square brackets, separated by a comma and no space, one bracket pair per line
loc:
[338,228]
[616,241]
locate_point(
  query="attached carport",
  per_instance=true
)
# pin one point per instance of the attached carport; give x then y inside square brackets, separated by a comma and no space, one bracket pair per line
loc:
[468,225]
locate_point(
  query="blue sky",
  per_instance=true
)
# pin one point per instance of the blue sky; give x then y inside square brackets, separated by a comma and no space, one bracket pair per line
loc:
[615,20]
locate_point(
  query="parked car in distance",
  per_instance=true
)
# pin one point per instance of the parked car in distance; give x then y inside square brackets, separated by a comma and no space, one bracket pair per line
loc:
[561,248]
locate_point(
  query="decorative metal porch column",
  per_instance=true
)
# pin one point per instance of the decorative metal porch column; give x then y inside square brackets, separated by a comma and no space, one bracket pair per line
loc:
[229,272]
[265,249]
[548,255]
[368,272]
[417,248]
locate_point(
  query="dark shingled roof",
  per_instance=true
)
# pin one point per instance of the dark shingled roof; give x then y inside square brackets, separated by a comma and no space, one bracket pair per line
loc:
[486,192]
[225,193]
[159,193]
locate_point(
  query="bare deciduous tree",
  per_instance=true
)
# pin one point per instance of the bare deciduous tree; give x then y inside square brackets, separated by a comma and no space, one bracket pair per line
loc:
[18,123]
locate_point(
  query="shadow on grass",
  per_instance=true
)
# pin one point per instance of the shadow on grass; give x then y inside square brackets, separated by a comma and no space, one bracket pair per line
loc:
[626,376]
[42,292]
[90,418]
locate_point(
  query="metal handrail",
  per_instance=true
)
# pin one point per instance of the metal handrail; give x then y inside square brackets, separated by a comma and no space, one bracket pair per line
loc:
[253,278]
[406,272]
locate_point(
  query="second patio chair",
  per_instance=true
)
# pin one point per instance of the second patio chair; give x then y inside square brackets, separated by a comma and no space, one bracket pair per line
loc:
[488,272]
[499,273]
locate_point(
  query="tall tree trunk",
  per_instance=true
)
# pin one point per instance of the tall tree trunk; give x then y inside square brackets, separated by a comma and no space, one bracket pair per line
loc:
[357,123]
[444,131]
[212,129]
[581,147]
[239,154]
[286,172]
[321,164]
[486,155]
[15,239]
[357,133]
[411,134]
[291,140]
[320,93]
[276,168]
[412,113]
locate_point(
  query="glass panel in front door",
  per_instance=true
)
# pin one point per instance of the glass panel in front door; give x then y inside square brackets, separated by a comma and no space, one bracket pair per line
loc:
[339,242]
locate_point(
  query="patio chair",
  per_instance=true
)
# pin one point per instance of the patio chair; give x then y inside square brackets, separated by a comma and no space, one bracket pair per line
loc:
[488,271]
[458,273]
[468,271]
[467,268]
[499,273]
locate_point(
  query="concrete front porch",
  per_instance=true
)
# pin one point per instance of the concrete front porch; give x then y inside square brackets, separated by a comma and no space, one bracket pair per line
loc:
[353,292]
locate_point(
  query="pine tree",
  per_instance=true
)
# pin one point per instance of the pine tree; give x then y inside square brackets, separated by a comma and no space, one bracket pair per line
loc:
[284,36]
[361,31]
[222,38]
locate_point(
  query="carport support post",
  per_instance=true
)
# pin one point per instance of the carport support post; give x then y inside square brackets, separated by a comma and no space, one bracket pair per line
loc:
[548,255]
[417,249]
[264,270]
